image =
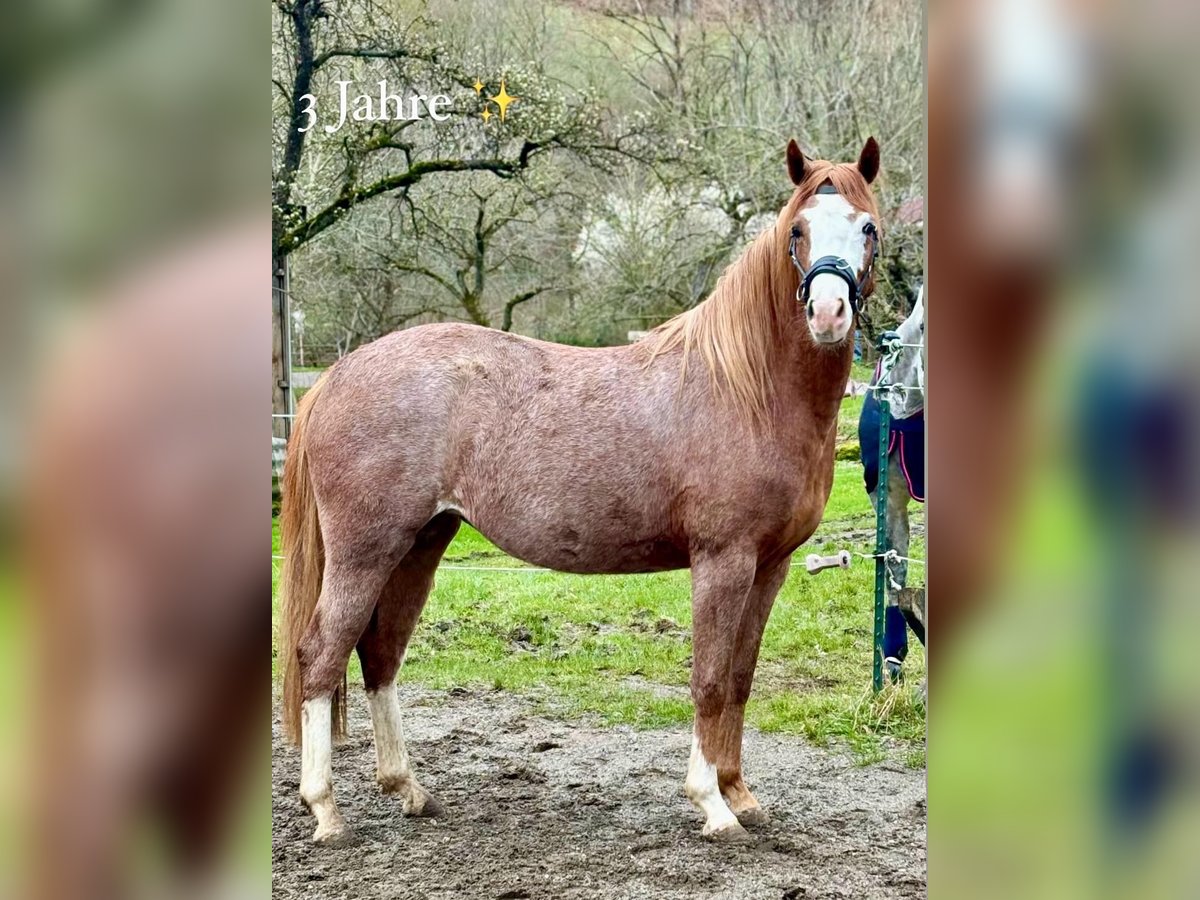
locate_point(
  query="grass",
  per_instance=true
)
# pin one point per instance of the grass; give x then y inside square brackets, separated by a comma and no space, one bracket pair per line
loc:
[616,649]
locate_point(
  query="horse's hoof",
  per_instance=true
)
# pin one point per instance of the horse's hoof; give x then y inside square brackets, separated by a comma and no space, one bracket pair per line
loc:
[424,806]
[336,835]
[754,816]
[732,833]
[892,667]
[418,802]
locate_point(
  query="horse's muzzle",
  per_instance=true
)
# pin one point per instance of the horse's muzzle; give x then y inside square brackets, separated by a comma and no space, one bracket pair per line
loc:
[829,318]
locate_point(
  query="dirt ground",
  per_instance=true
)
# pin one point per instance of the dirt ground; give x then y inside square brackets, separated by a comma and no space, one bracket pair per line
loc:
[538,808]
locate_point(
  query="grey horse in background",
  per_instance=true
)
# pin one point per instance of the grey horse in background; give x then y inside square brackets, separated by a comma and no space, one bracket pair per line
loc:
[905,374]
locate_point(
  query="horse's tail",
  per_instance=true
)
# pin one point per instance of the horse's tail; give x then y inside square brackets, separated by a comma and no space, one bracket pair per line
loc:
[303,566]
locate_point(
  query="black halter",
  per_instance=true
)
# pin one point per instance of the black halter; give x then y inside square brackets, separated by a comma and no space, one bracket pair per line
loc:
[835,265]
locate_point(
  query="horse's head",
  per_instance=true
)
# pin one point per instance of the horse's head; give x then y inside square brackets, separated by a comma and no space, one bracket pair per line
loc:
[909,368]
[833,238]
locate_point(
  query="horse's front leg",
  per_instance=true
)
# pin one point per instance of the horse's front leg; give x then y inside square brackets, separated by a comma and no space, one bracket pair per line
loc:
[895,631]
[721,585]
[767,582]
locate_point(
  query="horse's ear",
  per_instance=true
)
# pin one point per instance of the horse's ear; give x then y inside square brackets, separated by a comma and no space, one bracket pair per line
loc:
[796,162]
[868,160]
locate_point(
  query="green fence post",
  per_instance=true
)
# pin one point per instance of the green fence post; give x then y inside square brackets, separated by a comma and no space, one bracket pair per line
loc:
[881,540]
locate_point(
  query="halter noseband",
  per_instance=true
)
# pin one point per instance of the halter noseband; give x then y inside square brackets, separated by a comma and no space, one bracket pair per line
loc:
[835,265]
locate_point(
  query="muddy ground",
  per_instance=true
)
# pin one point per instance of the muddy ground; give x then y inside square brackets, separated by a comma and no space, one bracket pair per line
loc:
[538,808]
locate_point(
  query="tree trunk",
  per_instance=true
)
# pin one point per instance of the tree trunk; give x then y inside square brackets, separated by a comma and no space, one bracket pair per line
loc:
[281,362]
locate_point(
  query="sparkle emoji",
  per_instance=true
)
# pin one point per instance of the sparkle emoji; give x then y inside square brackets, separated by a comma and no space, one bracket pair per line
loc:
[502,100]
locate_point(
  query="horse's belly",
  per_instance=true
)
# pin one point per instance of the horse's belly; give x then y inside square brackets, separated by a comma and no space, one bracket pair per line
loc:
[570,496]
[583,544]
[626,559]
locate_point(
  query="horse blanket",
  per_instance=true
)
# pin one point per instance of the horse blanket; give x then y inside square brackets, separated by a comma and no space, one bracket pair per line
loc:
[906,434]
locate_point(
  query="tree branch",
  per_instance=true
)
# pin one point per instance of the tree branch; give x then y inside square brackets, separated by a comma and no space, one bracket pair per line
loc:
[428,273]
[507,321]
[351,197]
[480,249]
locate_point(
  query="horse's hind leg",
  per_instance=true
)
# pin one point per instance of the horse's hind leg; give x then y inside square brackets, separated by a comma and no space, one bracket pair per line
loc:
[356,570]
[895,633]
[381,650]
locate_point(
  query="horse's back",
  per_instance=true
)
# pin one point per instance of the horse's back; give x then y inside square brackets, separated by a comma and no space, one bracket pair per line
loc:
[559,454]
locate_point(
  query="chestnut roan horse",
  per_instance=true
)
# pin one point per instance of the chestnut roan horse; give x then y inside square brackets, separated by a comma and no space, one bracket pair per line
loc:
[709,445]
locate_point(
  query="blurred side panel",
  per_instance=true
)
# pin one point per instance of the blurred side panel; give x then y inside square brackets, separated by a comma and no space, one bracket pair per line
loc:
[1063,448]
[133,252]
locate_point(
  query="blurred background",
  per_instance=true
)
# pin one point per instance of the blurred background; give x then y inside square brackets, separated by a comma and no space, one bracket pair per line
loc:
[134,234]
[1062,405]
[640,157]
[1062,414]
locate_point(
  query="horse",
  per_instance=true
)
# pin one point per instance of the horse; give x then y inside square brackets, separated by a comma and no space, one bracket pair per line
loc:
[708,444]
[906,474]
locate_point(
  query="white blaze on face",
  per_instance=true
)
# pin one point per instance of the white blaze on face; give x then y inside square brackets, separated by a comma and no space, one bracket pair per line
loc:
[834,229]
[1034,79]
[703,789]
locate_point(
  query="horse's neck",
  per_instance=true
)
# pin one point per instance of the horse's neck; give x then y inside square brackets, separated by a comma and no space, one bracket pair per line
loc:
[810,381]
[906,374]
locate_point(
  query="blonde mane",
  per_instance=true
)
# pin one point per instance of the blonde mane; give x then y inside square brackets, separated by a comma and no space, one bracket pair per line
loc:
[737,330]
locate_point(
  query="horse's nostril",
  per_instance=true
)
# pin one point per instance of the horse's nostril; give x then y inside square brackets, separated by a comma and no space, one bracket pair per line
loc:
[841,308]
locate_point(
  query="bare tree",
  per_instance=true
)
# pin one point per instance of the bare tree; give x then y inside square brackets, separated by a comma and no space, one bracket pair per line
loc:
[363,40]
[379,158]
[641,157]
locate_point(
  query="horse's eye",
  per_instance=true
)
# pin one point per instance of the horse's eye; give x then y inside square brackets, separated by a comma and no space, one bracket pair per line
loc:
[795,231]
